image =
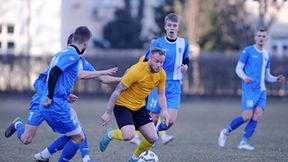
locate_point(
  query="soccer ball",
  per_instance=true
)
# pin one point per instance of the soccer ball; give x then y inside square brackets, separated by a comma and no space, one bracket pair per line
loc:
[148,156]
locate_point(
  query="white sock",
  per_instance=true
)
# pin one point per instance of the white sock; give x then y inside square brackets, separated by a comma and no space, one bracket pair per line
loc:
[134,157]
[18,122]
[86,158]
[45,154]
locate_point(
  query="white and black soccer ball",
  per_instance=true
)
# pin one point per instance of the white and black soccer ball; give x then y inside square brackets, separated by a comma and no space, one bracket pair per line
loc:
[148,156]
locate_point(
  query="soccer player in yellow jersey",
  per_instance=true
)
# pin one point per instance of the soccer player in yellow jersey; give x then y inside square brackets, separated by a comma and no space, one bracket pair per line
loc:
[128,101]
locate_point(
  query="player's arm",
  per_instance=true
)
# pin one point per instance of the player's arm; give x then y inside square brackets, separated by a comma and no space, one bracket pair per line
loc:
[113,98]
[54,74]
[163,105]
[108,79]
[184,66]
[185,61]
[240,72]
[85,74]
[270,78]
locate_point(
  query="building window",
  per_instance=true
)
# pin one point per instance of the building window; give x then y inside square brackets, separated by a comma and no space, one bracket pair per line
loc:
[274,48]
[285,48]
[0,28]
[10,45]
[10,29]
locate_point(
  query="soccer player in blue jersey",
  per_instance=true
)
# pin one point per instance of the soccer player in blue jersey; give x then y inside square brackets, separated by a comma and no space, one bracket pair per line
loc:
[253,68]
[34,117]
[63,72]
[55,109]
[175,64]
[86,71]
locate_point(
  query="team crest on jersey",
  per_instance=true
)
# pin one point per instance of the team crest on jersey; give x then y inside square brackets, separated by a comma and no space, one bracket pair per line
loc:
[72,58]
[180,50]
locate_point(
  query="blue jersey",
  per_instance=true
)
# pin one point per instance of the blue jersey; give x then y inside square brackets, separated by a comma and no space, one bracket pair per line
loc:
[255,64]
[39,86]
[40,81]
[34,117]
[67,60]
[85,65]
[176,52]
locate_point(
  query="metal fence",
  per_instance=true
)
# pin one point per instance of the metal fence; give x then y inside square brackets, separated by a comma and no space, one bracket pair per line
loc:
[208,75]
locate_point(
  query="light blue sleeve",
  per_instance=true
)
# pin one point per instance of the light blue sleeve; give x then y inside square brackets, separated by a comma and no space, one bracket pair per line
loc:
[244,56]
[87,66]
[66,60]
[269,61]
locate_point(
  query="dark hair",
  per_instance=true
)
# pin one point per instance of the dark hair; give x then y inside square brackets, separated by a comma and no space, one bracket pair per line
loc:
[172,17]
[81,34]
[69,40]
[262,29]
[158,50]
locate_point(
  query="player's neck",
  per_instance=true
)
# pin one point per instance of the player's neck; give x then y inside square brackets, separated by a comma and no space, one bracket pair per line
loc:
[76,48]
[171,39]
[258,47]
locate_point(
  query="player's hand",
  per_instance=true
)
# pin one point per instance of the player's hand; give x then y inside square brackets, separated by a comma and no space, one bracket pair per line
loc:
[72,98]
[165,117]
[281,78]
[105,118]
[248,80]
[184,68]
[110,71]
[47,102]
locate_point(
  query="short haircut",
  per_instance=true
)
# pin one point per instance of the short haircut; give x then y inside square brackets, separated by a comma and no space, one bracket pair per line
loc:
[69,40]
[81,34]
[172,17]
[262,29]
[158,50]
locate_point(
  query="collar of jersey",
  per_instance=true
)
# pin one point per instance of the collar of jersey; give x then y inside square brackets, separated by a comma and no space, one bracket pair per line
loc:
[77,50]
[166,39]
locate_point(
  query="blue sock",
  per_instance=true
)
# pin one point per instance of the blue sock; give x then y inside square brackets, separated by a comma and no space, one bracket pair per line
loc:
[83,147]
[58,144]
[162,126]
[235,123]
[19,129]
[249,130]
[69,151]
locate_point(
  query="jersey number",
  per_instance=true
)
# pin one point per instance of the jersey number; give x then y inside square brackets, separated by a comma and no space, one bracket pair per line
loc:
[153,102]
[30,115]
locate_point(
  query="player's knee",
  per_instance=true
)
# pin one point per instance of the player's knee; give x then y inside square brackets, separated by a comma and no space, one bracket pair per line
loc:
[78,139]
[152,139]
[256,116]
[128,136]
[247,117]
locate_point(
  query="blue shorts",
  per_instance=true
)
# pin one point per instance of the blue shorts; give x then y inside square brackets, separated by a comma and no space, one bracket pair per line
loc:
[253,98]
[152,102]
[34,117]
[173,92]
[59,118]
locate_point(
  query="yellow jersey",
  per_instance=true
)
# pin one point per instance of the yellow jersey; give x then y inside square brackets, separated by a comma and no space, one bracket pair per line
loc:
[140,81]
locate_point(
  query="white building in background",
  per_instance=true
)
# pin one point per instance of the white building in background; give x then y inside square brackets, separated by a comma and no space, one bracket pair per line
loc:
[278,31]
[41,27]
[29,26]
